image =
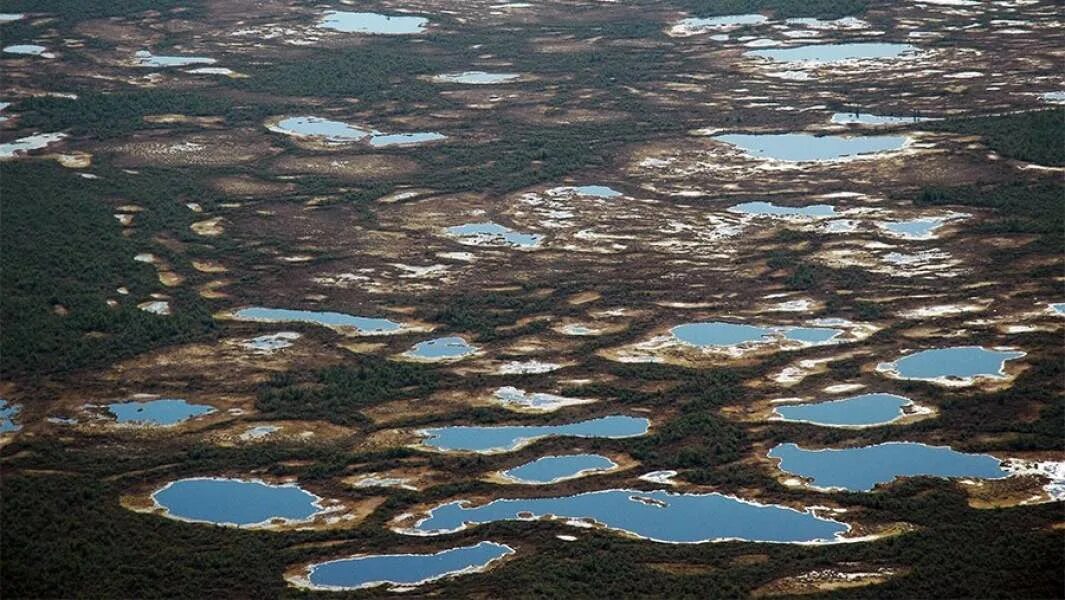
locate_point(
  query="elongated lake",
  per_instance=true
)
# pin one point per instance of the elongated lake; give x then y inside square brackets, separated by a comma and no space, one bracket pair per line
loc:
[856,411]
[235,502]
[360,572]
[162,412]
[551,469]
[722,334]
[364,325]
[504,438]
[441,349]
[802,147]
[658,516]
[958,363]
[833,53]
[861,469]
[376,23]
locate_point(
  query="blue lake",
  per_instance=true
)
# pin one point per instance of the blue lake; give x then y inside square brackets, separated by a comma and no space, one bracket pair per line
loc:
[165,411]
[550,469]
[868,119]
[8,412]
[503,438]
[494,233]
[861,469]
[721,334]
[441,348]
[830,53]
[476,77]
[366,325]
[1058,307]
[405,139]
[368,22]
[658,516]
[235,501]
[404,569]
[959,362]
[334,131]
[867,409]
[599,191]
[769,209]
[798,147]
[915,228]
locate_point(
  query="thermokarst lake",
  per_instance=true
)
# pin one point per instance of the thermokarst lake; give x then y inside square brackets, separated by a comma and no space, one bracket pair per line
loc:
[359,572]
[163,412]
[343,321]
[721,334]
[552,469]
[504,438]
[861,469]
[961,365]
[235,502]
[856,411]
[657,516]
[836,53]
[804,147]
[375,23]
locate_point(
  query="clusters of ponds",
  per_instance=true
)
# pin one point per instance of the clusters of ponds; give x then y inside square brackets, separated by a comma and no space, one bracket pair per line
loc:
[476,77]
[803,147]
[861,469]
[658,516]
[835,53]
[722,334]
[504,438]
[947,364]
[235,502]
[162,412]
[360,572]
[364,325]
[857,411]
[445,348]
[338,132]
[552,469]
[376,23]
[8,412]
[29,143]
[482,234]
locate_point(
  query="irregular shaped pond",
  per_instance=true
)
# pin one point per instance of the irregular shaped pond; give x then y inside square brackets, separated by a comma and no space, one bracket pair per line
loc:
[26,144]
[721,334]
[479,234]
[856,411]
[476,77]
[441,349]
[405,139]
[861,469]
[512,397]
[768,209]
[915,229]
[144,58]
[951,364]
[8,412]
[599,191]
[833,53]
[161,412]
[504,438]
[724,22]
[360,572]
[552,469]
[658,516]
[25,49]
[364,325]
[317,127]
[368,22]
[800,147]
[235,502]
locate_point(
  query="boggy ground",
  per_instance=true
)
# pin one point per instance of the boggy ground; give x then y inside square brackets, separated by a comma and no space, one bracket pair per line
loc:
[610,95]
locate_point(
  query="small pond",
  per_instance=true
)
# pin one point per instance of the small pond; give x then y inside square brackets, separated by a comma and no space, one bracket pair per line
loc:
[801,147]
[658,516]
[868,119]
[962,362]
[162,412]
[724,22]
[504,438]
[29,143]
[518,399]
[364,325]
[405,139]
[144,58]
[235,502]
[552,469]
[8,412]
[480,234]
[317,127]
[856,411]
[25,49]
[915,229]
[768,209]
[832,53]
[403,569]
[476,77]
[861,469]
[441,349]
[368,22]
